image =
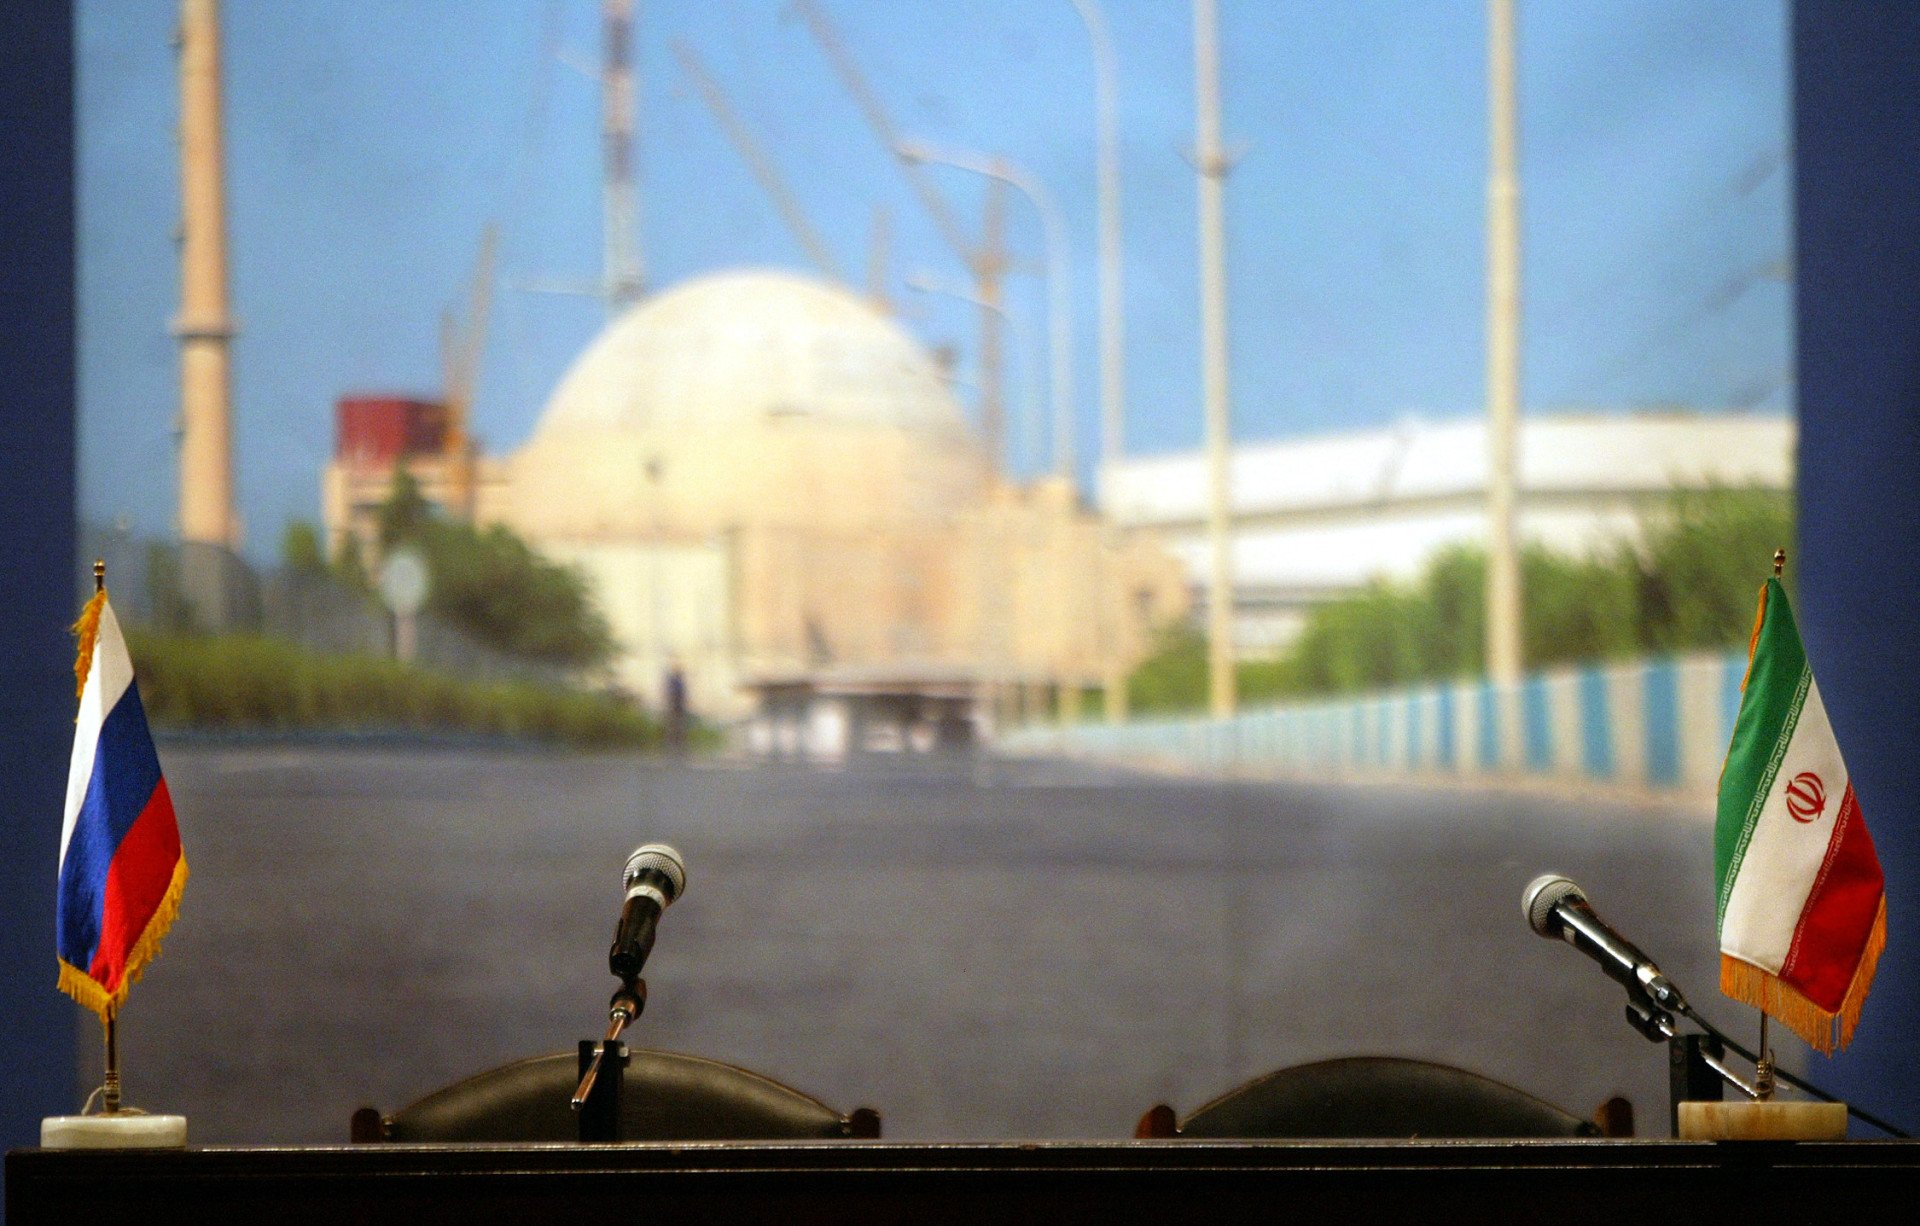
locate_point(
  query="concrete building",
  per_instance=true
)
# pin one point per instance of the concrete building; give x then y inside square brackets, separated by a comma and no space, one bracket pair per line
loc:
[770,485]
[1317,518]
[374,435]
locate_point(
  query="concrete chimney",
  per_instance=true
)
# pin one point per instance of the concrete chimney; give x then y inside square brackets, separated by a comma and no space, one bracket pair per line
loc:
[204,327]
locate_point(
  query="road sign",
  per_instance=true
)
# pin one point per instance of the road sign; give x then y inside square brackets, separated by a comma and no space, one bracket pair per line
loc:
[403,582]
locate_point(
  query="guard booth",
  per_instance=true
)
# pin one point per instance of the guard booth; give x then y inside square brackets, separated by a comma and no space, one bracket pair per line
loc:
[834,714]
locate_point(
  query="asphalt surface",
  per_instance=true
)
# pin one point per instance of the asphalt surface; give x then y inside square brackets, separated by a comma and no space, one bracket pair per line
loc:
[992,950]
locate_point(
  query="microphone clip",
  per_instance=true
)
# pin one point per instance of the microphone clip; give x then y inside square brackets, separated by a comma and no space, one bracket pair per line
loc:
[1655,1024]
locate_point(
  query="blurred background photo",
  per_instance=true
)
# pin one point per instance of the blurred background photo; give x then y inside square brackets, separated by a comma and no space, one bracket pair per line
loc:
[1116,536]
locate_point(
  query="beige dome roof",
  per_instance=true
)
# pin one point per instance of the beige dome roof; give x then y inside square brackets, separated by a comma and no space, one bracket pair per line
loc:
[745,346]
[739,398]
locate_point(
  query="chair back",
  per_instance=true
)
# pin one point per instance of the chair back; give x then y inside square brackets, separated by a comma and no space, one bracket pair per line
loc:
[1380,1096]
[666,1096]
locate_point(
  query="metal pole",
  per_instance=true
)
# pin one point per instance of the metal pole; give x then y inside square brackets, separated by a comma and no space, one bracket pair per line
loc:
[1212,166]
[110,1084]
[1504,612]
[1113,326]
[1112,595]
[1060,326]
[989,270]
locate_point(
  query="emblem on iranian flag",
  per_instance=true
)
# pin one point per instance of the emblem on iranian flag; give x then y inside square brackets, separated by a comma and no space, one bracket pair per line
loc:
[1801,903]
[1806,797]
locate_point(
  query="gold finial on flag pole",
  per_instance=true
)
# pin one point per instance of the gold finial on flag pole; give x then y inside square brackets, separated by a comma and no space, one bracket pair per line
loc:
[1779,562]
[99,574]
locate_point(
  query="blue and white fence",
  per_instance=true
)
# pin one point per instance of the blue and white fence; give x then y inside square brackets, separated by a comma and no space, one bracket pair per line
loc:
[1661,723]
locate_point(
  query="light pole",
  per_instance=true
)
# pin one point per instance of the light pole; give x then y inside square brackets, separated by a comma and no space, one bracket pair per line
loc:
[1503,354]
[1113,326]
[1211,166]
[1113,319]
[1059,285]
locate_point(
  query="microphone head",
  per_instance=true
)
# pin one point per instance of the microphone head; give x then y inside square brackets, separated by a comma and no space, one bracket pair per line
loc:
[662,860]
[1548,891]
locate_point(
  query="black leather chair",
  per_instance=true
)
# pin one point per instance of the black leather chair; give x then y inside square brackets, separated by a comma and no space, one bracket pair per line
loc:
[666,1096]
[1371,1096]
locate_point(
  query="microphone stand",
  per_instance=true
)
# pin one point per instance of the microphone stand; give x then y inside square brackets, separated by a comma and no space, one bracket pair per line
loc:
[597,1100]
[1657,1023]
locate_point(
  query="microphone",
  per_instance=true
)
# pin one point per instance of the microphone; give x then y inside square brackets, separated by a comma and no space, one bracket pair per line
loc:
[1556,907]
[655,876]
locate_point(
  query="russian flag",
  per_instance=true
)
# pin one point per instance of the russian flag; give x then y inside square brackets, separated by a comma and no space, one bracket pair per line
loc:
[121,868]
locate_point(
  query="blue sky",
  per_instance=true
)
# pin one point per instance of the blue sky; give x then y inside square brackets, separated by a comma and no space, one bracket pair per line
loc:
[369,143]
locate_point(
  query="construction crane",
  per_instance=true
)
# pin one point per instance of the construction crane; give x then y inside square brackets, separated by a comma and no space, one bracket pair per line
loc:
[879,242]
[986,260]
[758,163]
[624,273]
[461,350]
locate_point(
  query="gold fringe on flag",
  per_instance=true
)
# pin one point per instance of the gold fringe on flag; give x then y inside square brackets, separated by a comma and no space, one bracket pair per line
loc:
[87,629]
[1748,984]
[85,989]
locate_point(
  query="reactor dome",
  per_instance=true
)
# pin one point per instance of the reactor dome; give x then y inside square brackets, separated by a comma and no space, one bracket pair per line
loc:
[745,397]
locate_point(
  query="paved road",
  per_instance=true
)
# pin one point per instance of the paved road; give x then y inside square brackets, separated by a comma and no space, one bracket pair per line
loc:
[1033,949]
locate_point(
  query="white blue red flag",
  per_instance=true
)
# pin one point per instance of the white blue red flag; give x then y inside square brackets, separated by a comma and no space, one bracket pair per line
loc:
[121,868]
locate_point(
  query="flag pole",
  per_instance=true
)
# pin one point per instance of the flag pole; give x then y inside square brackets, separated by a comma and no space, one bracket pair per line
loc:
[116,1125]
[1763,1080]
[110,1088]
[1763,1067]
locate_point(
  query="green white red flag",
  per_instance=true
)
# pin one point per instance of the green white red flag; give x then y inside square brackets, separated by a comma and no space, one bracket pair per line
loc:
[1802,906]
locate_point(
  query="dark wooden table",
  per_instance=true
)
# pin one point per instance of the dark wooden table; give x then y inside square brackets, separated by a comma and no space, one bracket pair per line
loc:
[861,1182]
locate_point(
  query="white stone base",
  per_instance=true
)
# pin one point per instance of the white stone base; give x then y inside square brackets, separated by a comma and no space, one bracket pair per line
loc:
[124,1130]
[1771,1121]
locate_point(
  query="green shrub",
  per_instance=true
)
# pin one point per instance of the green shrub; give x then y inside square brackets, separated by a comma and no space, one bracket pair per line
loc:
[494,586]
[1706,558]
[250,682]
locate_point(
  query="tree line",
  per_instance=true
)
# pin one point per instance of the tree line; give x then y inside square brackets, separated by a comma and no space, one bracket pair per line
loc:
[485,581]
[1688,583]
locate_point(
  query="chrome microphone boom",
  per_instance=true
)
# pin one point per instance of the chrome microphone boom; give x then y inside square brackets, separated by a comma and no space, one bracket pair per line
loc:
[1557,908]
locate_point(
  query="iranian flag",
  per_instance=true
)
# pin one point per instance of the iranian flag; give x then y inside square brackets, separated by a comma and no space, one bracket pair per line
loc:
[1802,911]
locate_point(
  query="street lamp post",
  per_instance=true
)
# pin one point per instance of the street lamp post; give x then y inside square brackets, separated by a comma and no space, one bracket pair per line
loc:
[1211,165]
[1113,326]
[1059,273]
[1503,354]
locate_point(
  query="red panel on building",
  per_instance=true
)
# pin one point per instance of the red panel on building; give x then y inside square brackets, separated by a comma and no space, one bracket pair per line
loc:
[377,430]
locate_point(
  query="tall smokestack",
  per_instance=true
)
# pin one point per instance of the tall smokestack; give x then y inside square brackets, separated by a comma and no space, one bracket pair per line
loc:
[203,326]
[624,276]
